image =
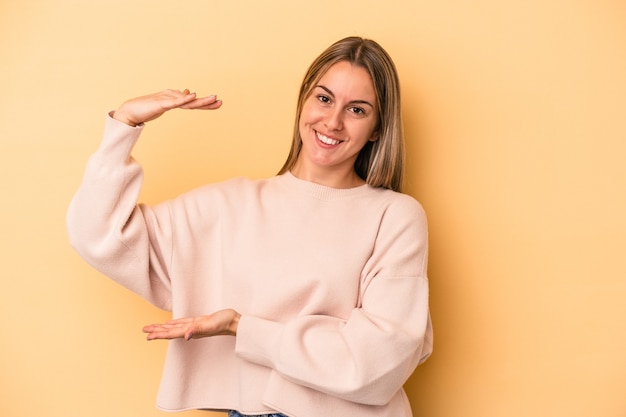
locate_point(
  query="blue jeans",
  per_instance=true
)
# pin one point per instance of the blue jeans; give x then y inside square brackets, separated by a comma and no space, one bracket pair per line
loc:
[233,413]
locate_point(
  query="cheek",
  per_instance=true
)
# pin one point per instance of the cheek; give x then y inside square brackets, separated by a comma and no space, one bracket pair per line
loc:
[303,125]
[308,116]
[307,110]
[302,120]
[373,136]
[368,131]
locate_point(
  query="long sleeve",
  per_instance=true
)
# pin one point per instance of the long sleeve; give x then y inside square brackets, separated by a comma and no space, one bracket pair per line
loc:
[106,226]
[367,357]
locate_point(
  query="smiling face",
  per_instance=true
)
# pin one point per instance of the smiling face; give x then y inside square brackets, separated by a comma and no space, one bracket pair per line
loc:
[337,119]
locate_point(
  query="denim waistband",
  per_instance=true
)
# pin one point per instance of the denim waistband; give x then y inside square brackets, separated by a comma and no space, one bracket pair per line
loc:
[233,413]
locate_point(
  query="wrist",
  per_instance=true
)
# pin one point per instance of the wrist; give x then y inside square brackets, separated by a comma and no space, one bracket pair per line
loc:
[121,117]
[234,324]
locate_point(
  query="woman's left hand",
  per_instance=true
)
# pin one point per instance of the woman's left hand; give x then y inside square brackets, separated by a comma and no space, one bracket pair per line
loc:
[223,322]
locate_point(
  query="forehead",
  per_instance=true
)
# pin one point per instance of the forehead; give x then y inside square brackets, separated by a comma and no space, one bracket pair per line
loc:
[346,79]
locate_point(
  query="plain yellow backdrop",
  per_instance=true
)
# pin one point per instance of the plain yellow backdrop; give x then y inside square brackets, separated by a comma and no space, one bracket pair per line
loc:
[515,117]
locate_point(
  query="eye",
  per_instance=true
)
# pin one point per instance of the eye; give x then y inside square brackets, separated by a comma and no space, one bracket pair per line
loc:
[323,99]
[357,110]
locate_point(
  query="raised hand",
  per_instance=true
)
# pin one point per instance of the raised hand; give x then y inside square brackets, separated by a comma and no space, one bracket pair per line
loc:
[223,322]
[146,108]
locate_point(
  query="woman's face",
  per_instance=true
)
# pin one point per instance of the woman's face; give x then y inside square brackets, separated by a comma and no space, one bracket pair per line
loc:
[338,118]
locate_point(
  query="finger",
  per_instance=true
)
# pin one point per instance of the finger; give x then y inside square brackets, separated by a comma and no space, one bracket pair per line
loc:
[161,327]
[179,101]
[196,331]
[213,106]
[189,334]
[183,320]
[150,328]
[167,333]
[163,336]
[170,93]
[210,102]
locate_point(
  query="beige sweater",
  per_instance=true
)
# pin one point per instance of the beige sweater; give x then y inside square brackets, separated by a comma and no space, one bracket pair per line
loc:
[331,285]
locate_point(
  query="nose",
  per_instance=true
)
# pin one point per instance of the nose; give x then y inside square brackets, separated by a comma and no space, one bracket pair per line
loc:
[334,119]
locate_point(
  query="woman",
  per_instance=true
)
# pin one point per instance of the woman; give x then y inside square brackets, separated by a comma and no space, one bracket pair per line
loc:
[305,293]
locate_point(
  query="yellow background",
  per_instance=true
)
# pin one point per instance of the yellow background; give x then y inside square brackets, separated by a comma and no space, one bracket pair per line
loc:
[515,115]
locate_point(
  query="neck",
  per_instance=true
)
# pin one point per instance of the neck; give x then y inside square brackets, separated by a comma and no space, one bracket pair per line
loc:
[327,177]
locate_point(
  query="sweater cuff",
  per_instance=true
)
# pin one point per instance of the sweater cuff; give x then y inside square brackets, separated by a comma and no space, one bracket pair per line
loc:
[111,118]
[258,340]
[118,138]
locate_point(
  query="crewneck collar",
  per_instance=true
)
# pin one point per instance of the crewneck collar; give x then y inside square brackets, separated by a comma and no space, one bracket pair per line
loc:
[322,192]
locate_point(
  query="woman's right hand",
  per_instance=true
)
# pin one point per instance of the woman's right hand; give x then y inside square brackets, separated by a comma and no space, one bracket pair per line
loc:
[146,108]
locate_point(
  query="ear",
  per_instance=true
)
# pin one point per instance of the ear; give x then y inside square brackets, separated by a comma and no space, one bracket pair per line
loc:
[375,136]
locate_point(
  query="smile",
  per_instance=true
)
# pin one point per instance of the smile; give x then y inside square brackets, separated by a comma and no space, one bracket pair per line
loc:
[326,140]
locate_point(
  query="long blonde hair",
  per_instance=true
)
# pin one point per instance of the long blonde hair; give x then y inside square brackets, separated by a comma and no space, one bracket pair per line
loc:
[380,163]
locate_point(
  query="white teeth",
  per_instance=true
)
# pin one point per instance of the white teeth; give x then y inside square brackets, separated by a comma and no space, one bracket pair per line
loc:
[326,139]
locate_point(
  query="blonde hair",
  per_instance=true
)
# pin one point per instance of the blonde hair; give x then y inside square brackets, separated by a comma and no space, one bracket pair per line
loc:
[380,163]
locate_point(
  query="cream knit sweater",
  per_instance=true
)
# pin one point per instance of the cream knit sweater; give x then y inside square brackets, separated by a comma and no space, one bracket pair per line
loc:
[331,285]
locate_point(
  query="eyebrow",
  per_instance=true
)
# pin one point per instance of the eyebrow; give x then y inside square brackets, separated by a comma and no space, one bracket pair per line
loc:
[351,102]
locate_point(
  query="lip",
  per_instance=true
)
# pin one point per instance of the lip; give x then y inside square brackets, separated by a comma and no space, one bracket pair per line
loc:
[327,141]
